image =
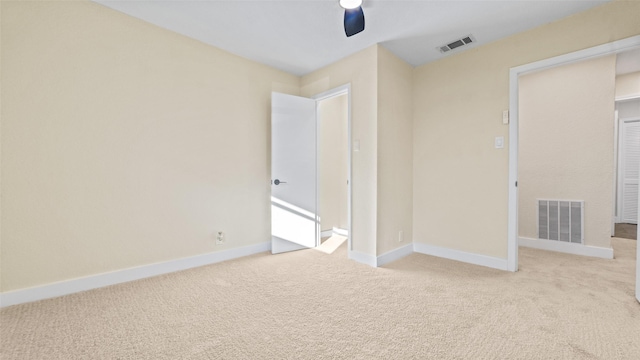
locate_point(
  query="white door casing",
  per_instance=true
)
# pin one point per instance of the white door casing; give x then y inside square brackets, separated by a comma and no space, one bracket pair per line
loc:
[615,47]
[294,221]
[338,91]
[616,151]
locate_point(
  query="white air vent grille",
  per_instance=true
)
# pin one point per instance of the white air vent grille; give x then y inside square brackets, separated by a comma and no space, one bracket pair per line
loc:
[456,44]
[561,220]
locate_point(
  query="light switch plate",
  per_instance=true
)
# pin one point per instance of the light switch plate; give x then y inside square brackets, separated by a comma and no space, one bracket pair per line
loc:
[356,145]
[499,142]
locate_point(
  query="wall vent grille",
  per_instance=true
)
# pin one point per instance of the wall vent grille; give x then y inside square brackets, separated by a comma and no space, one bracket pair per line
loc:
[561,220]
[456,44]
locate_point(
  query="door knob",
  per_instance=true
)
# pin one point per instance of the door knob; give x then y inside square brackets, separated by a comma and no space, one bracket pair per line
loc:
[278,182]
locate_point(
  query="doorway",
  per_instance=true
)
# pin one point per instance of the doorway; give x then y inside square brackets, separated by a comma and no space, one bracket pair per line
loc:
[334,107]
[565,157]
[616,47]
[332,115]
[627,172]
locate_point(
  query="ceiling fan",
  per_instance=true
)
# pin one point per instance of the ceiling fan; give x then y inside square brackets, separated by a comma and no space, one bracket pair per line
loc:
[353,16]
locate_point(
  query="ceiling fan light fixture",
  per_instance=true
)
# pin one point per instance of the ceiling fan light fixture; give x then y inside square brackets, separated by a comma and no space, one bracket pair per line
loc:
[350,4]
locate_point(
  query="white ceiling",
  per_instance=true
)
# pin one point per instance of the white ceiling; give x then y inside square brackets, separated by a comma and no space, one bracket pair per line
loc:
[304,35]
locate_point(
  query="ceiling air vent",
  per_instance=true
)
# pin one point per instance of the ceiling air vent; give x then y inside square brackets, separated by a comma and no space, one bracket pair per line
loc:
[456,44]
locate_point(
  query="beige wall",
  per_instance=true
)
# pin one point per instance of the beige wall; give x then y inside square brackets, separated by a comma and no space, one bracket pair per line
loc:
[381,86]
[628,85]
[460,180]
[360,70]
[395,149]
[628,109]
[333,162]
[124,144]
[566,127]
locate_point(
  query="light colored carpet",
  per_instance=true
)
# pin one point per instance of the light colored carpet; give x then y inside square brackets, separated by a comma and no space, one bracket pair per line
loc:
[332,244]
[310,305]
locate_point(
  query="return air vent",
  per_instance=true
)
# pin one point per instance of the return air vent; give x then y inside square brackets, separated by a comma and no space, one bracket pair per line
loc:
[456,44]
[561,220]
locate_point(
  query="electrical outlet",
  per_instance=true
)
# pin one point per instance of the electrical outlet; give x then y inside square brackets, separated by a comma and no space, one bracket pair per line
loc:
[220,238]
[400,236]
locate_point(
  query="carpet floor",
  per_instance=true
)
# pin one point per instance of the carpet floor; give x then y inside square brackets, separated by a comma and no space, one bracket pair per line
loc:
[312,305]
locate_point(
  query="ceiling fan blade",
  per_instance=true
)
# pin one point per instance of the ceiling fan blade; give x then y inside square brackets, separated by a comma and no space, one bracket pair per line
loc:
[353,21]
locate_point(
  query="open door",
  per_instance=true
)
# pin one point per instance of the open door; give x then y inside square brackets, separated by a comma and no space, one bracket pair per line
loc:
[294,220]
[629,174]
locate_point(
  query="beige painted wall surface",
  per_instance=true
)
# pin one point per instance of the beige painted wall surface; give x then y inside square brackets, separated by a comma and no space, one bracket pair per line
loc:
[360,70]
[333,162]
[460,180]
[124,144]
[395,151]
[628,109]
[628,85]
[566,127]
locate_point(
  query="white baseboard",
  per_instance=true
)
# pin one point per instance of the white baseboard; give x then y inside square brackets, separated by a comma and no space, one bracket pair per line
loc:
[121,276]
[363,258]
[394,255]
[339,231]
[385,258]
[565,247]
[437,251]
[336,231]
[462,256]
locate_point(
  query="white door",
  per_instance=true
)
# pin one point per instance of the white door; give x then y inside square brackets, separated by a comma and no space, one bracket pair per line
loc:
[638,257]
[294,220]
[630,170]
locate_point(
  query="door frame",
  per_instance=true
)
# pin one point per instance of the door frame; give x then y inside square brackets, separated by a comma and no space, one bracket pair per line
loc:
[611,48]
[338,91]
[617,168]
